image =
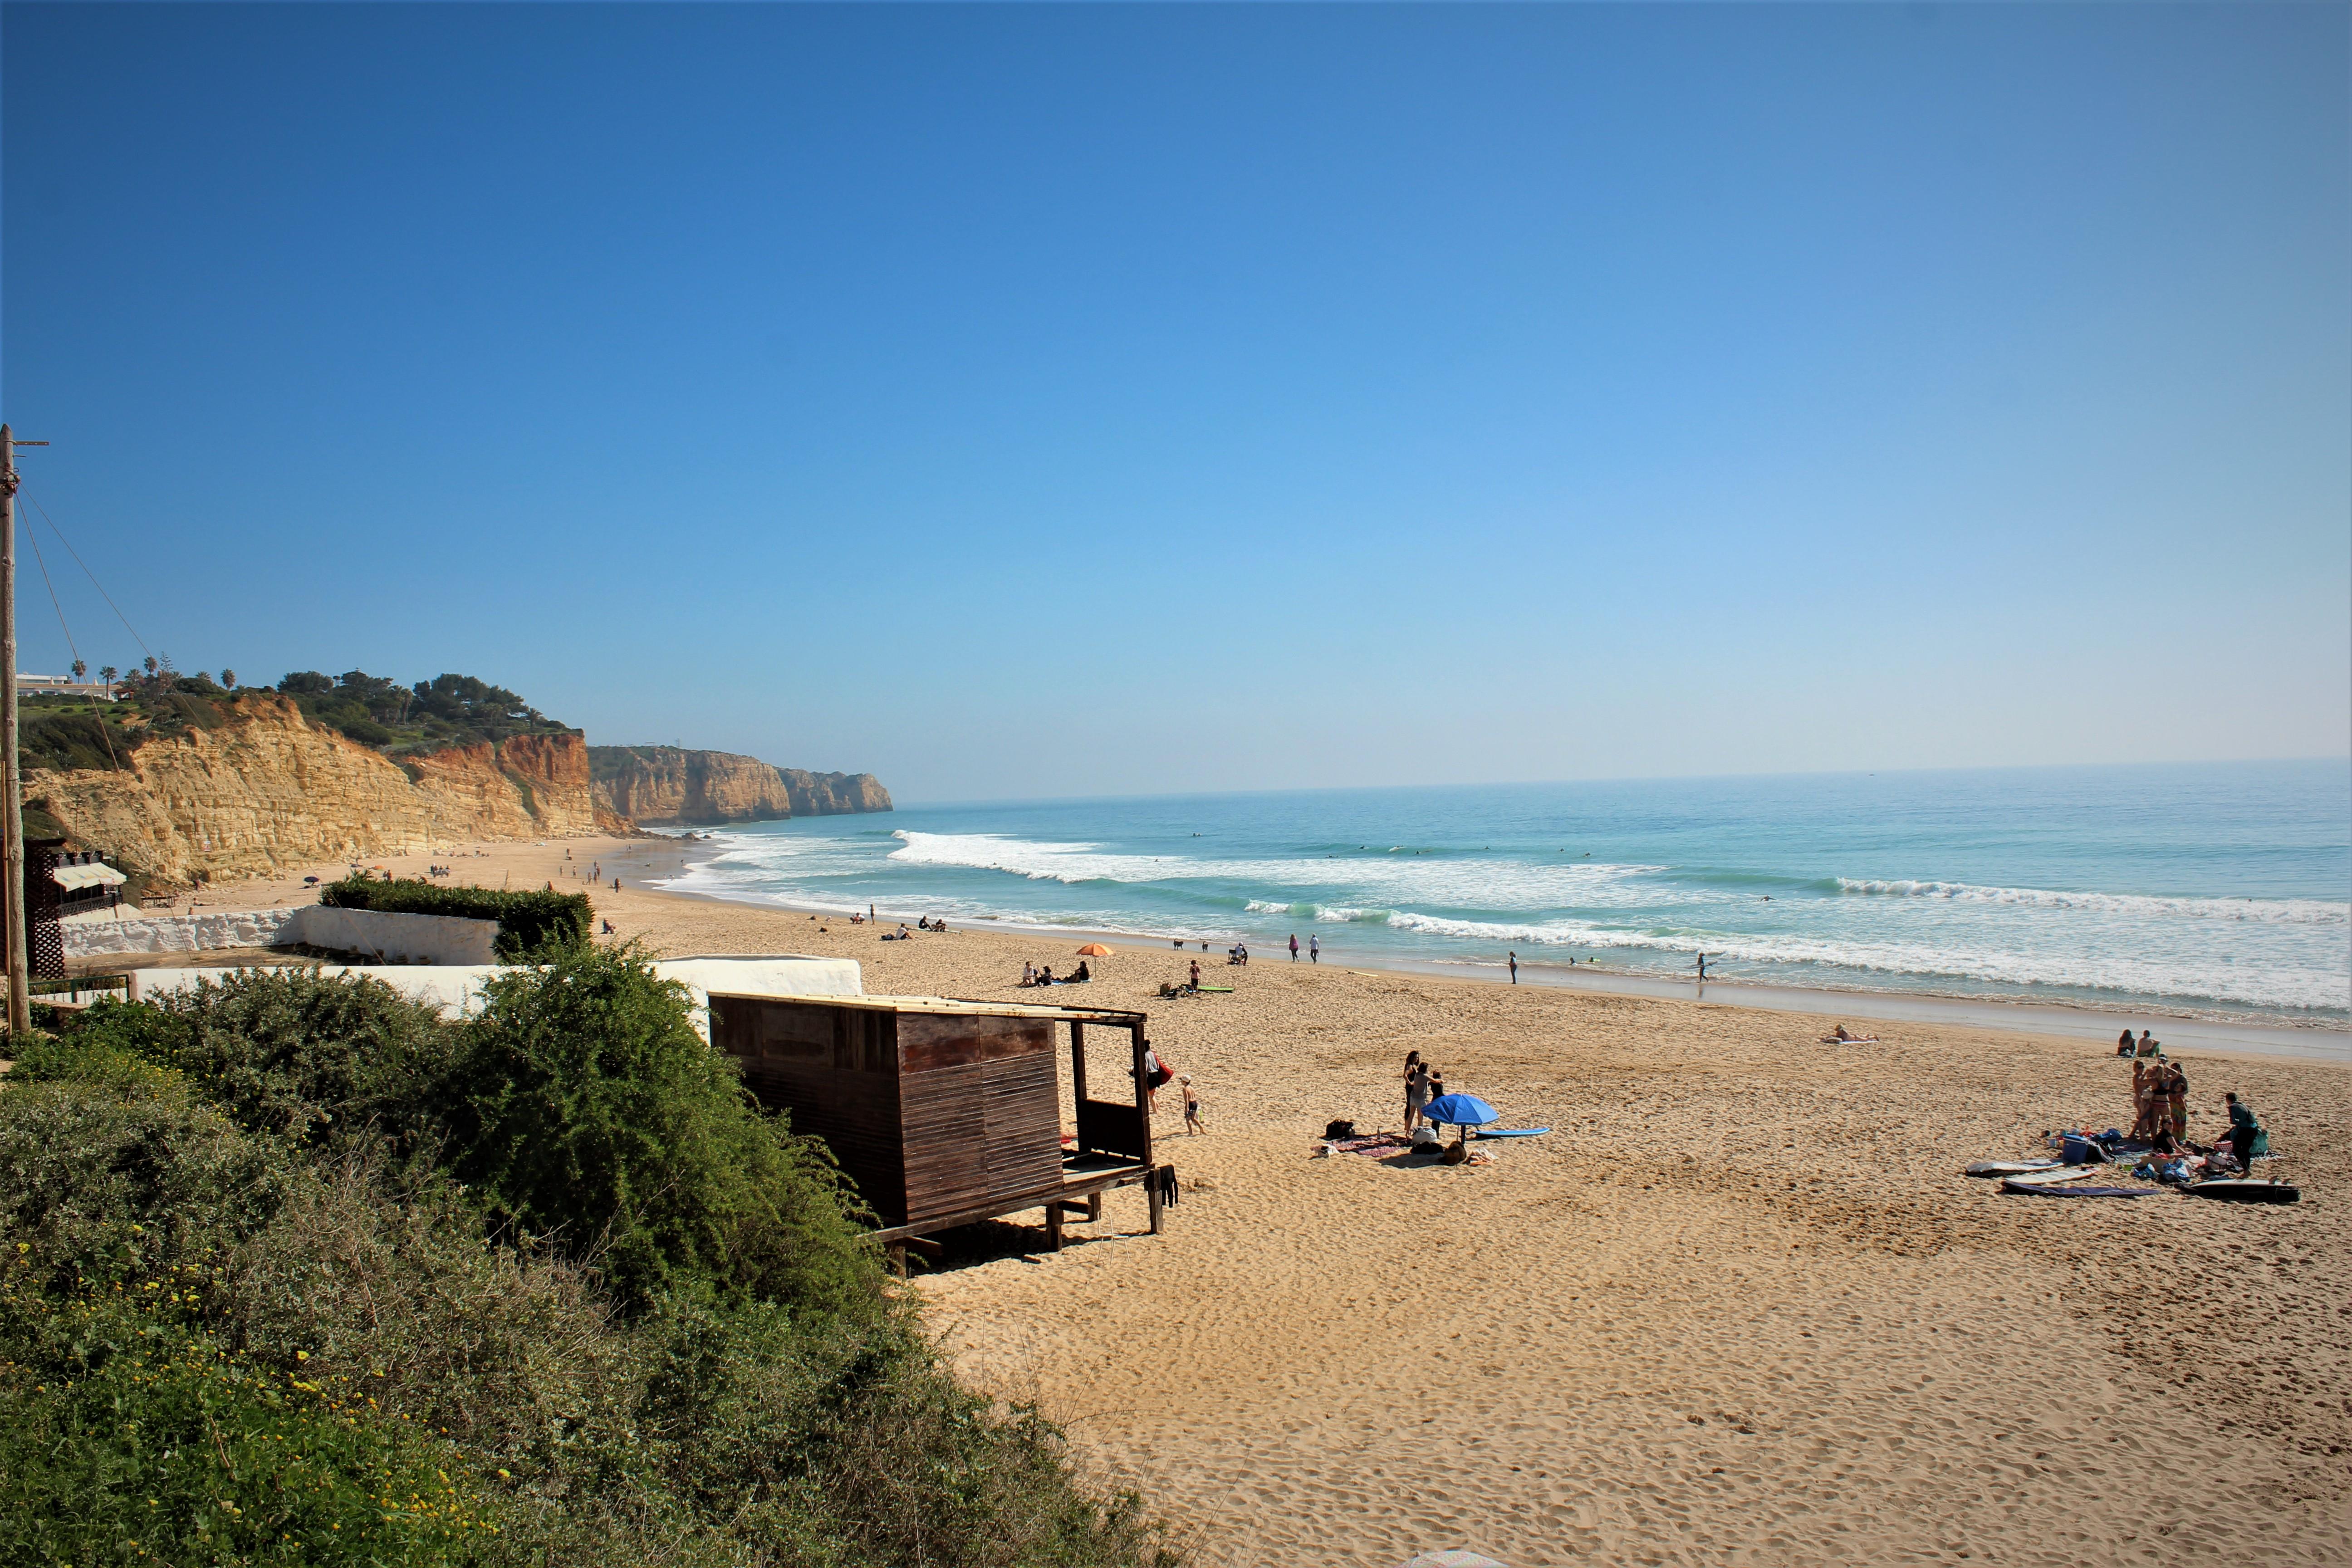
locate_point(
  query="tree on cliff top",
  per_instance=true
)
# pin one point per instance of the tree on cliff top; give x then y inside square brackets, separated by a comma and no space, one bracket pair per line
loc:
[447,711]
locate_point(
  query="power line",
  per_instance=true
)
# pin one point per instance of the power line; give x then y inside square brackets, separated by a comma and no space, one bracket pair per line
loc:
[42,561]
[91,574]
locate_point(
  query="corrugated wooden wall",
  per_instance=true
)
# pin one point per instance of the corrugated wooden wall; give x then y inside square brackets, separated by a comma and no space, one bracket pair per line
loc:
[836,1071]
[977,1103]
[931,1114]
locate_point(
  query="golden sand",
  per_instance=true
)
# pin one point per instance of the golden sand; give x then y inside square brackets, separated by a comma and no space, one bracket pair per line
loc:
[1739,1306]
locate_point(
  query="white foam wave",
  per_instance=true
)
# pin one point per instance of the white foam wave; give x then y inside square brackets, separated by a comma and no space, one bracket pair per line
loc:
[2278,911]
[2251,984]
[1461,882]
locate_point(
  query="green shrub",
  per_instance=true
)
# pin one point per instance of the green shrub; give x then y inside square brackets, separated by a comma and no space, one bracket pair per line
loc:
[64,740]
[290,1318]
[292,1051]
[584,1106]
[175,1450]
[531,925]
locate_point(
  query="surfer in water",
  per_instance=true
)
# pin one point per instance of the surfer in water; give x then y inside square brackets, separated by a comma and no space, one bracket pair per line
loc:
[1702,968]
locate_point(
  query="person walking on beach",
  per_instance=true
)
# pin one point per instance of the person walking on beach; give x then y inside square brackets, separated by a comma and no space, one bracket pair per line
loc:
[1191,1106]
[1293,947]
[1314,948]
[1702,968]
[1196,975]
[1515,968]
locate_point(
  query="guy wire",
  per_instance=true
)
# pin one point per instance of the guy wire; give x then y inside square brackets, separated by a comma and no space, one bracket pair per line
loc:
[92,576]
[42,561]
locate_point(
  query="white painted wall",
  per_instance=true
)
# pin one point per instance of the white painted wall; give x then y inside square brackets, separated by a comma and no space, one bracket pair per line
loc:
[177,933]
[396,939]
[455,988]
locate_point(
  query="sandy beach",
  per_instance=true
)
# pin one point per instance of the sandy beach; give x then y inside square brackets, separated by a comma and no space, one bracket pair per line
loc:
[1738,1307]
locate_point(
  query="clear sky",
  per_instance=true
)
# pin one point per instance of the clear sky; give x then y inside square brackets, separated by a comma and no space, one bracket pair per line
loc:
[1068,400]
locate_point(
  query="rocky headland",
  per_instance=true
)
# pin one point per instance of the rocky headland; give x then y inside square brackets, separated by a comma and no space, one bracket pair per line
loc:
[676,786]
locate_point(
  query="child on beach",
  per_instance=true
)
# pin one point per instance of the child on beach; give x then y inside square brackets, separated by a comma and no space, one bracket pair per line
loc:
[1191,1106]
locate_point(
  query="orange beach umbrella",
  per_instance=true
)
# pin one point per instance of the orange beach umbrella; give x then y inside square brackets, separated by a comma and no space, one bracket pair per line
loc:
[1094,950]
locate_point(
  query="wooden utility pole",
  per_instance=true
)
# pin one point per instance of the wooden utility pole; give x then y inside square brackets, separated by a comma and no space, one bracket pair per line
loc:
[12,782]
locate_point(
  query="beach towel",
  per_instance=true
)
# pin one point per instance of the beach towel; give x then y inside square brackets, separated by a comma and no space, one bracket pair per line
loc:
[1379,1146]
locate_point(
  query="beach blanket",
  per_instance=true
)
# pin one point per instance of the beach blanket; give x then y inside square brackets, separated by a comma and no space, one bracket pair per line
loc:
[1379,1146]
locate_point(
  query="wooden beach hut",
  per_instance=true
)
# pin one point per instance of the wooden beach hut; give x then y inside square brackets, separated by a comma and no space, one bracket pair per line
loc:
[947,1113]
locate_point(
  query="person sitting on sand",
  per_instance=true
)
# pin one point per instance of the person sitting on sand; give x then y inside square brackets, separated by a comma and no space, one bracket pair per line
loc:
[1045,975]
[2124,1047]
[1082,976]
[1028,975]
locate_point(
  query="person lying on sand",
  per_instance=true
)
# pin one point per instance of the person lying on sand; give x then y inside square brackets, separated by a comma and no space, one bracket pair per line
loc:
[1842,1036]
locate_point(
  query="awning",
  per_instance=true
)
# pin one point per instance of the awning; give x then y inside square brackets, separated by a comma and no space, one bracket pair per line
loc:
[74,878]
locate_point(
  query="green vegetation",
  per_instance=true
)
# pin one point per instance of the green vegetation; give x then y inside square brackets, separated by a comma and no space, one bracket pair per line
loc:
[531,925]
[447,711]
[297,1272]
[68,733]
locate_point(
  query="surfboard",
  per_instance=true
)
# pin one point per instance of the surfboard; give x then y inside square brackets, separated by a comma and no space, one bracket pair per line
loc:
[2051,1177]
[2240,1189]
[1512,1132]
[2059,1190]
[2009,1167]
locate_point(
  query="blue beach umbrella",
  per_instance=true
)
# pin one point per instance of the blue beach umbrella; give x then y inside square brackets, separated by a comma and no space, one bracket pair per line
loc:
[1461,1111]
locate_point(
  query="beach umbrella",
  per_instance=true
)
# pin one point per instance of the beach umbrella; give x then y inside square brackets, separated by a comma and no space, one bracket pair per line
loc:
[1461,1111]
[1094,950]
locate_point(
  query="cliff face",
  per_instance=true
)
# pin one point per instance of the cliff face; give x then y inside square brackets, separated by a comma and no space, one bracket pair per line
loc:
[269,791]
[828,794]
[667,785]
[670,786]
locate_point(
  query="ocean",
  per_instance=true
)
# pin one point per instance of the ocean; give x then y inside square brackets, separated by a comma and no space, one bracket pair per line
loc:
[2219,890]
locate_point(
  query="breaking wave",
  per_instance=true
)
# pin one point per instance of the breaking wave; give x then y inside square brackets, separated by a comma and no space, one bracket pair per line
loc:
[2275,911]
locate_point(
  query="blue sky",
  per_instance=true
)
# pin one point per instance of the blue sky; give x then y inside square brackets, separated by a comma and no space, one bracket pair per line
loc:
[1069,400]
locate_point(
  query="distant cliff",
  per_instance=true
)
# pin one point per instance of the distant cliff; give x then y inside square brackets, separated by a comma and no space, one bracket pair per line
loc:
[671,785]
[249,786]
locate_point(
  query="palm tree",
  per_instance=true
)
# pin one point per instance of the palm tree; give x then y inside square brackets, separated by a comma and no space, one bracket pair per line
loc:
[228,678]
[106,672]
[79,670]
[151,664]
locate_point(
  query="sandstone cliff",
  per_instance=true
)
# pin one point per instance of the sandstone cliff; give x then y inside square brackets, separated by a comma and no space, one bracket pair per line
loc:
[668,785]
[268,791]
[829,794]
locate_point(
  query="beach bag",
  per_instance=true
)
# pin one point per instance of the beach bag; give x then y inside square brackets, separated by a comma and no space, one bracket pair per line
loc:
[2080,1151]
[1340,1129]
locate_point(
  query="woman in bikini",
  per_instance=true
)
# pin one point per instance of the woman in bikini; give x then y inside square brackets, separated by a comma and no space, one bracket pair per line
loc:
[1416,1089]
